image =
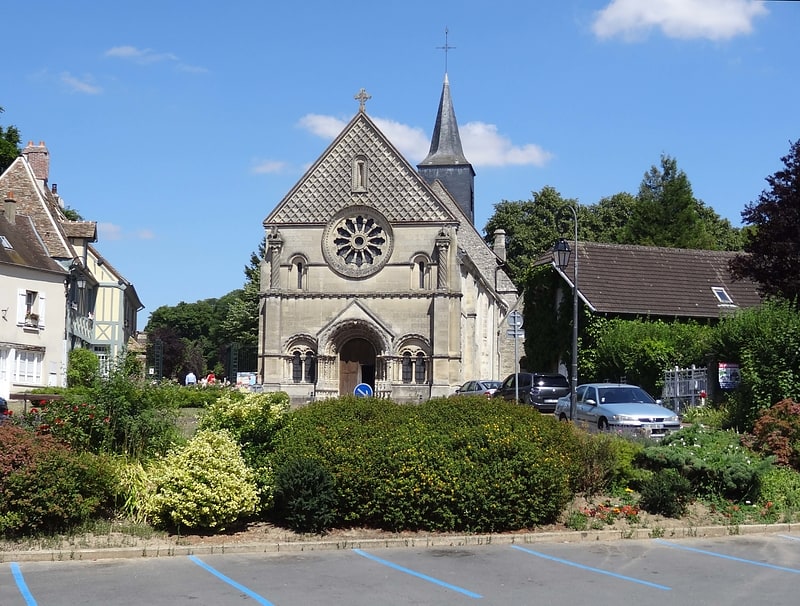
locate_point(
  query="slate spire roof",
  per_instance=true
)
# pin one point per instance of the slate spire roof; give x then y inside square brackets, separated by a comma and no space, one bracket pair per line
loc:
[446,141]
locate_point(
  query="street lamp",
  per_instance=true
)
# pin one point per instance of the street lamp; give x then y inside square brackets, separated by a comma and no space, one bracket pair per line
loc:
[561,255]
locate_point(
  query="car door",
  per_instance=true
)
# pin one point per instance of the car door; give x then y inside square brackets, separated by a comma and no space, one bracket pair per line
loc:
[587,412]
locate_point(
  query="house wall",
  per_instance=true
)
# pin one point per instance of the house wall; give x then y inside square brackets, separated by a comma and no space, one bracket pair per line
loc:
[32,354]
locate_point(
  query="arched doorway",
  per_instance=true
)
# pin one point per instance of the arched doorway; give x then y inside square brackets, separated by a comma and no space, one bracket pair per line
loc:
[356,365]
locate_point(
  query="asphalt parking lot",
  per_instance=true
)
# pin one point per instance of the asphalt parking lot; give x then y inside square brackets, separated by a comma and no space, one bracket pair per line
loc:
[762,569]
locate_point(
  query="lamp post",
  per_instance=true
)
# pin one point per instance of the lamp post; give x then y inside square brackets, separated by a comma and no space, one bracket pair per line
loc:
[561,255]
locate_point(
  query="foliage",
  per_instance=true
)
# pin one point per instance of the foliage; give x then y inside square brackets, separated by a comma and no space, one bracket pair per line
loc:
[447,464]
[252,419]
[638,351]
[553,338]
[305,497]
[773,249]
[9,145]
[83,368]
[711,415]
[714,461]
[666,212]
[203,485]
[45,486]
[777,433]
[606,462]
[765,341]
[666,492]
[531,226]
[780,486]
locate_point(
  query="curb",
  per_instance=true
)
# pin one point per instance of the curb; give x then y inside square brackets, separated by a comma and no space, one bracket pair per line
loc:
[427,542]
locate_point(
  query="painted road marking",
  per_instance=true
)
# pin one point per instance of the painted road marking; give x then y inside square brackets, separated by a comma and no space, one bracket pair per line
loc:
[419,575]
[726,557]
[591,569]
[230,581]
[22,585]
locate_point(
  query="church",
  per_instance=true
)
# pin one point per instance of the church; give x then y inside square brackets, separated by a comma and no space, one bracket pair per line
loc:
[376,281]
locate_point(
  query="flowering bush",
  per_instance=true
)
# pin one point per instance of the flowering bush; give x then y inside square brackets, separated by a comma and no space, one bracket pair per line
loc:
[204,485]
[777,432]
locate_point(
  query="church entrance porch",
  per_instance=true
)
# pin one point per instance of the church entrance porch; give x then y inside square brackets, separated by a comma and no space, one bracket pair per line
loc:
[356,365]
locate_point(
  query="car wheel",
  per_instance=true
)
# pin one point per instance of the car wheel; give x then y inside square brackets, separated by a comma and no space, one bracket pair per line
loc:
[602,424]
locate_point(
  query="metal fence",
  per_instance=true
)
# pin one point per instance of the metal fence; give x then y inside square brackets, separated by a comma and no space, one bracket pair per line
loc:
[685,388]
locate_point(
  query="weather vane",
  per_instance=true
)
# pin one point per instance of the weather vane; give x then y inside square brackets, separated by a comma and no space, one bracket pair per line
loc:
[362,97]
[445,48]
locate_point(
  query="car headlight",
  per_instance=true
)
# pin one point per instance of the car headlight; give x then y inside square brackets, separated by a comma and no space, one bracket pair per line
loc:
[624,418]
[672,419]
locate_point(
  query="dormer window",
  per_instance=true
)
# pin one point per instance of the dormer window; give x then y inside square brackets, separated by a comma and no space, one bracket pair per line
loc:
[5,243]
[722,295]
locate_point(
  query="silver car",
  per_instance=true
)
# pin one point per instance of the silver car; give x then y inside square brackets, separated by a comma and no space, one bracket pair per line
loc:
[619,407]
[481,387]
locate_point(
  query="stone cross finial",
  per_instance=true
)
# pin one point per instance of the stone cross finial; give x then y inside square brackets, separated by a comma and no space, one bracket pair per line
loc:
[362,97]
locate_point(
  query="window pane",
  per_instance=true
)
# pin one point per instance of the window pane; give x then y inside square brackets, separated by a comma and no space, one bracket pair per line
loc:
[406,367]
[297,368]
[419,368]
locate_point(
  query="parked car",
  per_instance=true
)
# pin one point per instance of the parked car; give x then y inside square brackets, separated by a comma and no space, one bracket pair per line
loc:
[540,390]
[481,387]
[619,406]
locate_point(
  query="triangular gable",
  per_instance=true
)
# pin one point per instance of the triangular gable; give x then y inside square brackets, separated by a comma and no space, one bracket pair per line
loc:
[20,180]
[394,187]
[356,312]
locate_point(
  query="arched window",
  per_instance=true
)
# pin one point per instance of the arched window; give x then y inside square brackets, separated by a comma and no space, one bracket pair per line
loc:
[303,362]
[300,267]
[408,371]
[420,373]
[420,272]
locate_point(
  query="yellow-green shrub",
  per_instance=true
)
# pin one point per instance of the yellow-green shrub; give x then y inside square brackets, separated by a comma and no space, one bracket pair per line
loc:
[204,485]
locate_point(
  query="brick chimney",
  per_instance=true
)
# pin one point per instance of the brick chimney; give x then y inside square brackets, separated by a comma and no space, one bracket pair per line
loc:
[10,208]
[39,160]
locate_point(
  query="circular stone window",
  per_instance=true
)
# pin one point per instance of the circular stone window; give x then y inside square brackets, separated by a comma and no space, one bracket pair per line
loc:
[357,242]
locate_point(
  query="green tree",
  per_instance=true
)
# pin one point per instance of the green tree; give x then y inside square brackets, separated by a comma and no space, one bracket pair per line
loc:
[9,145]
[607,220]
[666,212]
[241,322]
[531,226]
[773,247]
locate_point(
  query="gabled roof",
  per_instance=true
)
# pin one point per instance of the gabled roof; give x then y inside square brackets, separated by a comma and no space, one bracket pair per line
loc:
[26,248]
[666,282]
[81,229]
[130,289]
[394,188]
[40,205]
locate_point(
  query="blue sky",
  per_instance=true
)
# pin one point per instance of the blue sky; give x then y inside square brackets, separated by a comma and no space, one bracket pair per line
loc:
[178,126]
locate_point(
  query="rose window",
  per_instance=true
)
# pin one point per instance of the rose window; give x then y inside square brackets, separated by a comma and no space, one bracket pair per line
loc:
[358,242]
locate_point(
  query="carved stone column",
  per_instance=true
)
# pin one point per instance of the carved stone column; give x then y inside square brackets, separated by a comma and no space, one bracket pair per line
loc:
[442,252]
[275,244]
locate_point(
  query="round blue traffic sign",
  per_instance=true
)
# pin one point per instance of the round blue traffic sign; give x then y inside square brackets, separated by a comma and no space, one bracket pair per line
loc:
[363,390]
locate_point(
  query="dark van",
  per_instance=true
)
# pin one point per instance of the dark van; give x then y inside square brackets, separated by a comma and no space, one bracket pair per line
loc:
[540,390]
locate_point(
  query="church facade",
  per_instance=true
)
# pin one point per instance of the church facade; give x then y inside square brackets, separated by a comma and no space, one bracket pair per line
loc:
[375,278]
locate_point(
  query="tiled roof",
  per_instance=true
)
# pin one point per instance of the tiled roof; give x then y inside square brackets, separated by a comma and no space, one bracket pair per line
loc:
[396,189]
[27,249]
[81,229]
[665,282]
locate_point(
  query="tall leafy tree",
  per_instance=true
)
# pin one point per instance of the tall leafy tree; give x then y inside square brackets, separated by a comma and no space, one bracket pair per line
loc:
[531,226]
[607,221]
[772,247]
[9,145]
[666,212]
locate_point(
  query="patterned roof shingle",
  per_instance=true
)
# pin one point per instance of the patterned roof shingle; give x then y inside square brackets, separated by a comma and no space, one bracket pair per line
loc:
[666,282]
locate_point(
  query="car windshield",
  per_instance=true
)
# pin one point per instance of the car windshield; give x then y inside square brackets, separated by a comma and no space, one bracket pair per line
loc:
[624,395]
[491,384]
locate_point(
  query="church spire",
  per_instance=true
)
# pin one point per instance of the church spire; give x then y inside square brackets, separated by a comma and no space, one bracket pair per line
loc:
[445,160]
[446,141]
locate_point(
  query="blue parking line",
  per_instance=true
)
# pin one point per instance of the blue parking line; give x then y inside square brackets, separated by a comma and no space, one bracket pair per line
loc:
[230,581]
[22,585]
[592,569]
[727,557]
[419,575]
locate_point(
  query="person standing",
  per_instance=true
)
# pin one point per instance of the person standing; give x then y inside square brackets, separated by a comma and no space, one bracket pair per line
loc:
[191,379]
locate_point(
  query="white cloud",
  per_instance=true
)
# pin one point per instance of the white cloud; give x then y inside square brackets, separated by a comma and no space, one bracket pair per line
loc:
[80,85]
[269,167]
[710,19]
[147,56]
[483,145]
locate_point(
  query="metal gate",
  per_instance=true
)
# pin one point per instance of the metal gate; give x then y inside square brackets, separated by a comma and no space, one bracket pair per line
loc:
[685,388]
